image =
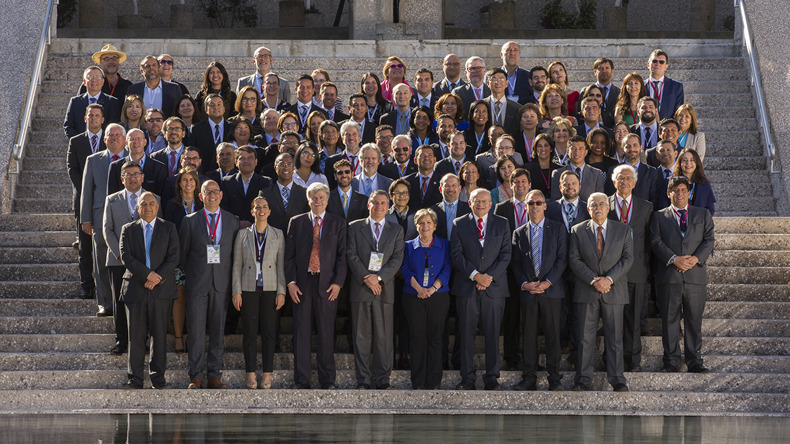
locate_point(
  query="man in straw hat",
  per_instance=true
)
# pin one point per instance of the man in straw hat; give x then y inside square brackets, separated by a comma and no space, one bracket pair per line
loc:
[109,58]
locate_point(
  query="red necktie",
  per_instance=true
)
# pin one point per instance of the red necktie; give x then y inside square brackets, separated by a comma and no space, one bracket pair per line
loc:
[315,252]
[424,185]
[115,157]
[94,143]
[479,227]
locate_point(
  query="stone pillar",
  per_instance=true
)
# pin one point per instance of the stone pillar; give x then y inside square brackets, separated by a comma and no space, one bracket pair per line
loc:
[702,15]
[419,20]
[91,13]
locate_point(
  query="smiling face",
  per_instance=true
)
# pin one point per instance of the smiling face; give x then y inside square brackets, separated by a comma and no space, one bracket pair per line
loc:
[225,158]
[577,153]
[520,186]
[543,149]
[260,210]
[591,112]
[147,207]
[598,145]
[633,149]
[263,60]
[317,201]
[358,108]
[450,107]
[188,185]
[330,135]
[400,196]
[450,189]
[426,227]
[647,112]
[598,207]
[378,206]
[633,87]
[537,206]
[558,75]
[480,203]
[451,66]
[93,80]
[249,103]
[480,115]
[569,187]
[679,196]
[370,162]
[424,83]
[624,182]
[246,162]
[304,91]
[210,195]
[505,170]
[241,134]
[458,146]
[687,164]
[475,71]
[561,135]
[402,150]
[529,120]
[185,109]
[351,139]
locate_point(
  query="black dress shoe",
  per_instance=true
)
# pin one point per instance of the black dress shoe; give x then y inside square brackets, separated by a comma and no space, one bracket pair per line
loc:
[669,369]
[363,387]
[620,387]
[466,385]
[510,366]
[556,387]
[579,387]
[130,385]
[494,385]
[328,387]
[301,386]
[636,369]
[523,385]
[385,387]
[87,294]
[164,386]
[698,369]
[103,312]
[118,350]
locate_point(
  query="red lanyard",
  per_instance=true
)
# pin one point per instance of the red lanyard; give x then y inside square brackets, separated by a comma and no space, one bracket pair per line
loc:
[355,165]
[520,219]
[546,180]
[627,209]
[528,144]
[212,233]
[683,219]
[656,91]
[504,188]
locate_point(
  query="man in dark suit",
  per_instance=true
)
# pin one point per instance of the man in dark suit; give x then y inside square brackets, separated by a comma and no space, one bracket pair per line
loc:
[206,239]
[350,134]
[155,92]
[476,89]
[286,199]
[226,162]
[328,95]
[400,115]
[343,200]
[80,147]
[668,129]
[591,177]
[450,207]
[93,79]
[591,111]
[629,209]
[174,131]
[359,108]
[504,112]
[315,269]
[647,128]
[480,250]
[424,183]
[154,171]
[668,93]
[384,136]
[263,60]
[374,254]
[423,85]
[603,68]
[451,65]
[539,261]
[240,189]
[403,165]
[305,87]
[649,180]
[150,251]
[109,58]
[666,153]
[189,158]
[600,255]
[518,87]
[538,79]
[207,134]
[682,238]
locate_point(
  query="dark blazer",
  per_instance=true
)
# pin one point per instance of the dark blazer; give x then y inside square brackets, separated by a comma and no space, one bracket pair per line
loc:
[610,102]
[467,95]
[75,113]
[216,175]
[299,243]
[639,221]
[672,97]
[174,212]
[368,131]
[339,116]
[667,241]
[297,204]
[637,129]
[415,100]
[555,212]
[492,259]
[203,140]
[432,195]
[523,89]
[235,200]
[294,108]
[508,211]
[119,92]
[553,258]
[541,181]
[154,181]
[170,95]
[592,181]
[648,183]
[391,119]
[651,158]
[446,166]
[329,166]
[170,186]
[357,205]
[76,157]
[702,196]
[462,209]
[442,87]
[194,238]
[285,89]
[409,228]
[472,149]
[360,244]
[164,255]
[439,264]
[393,171]
[616,261]
[581,129]
[512,124]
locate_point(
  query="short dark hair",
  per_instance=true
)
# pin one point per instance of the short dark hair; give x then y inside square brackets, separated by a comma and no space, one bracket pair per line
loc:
[384,127]
[306,77]
[493,71]
[674,181]
[601,60]
[537,68]
[423,71]
[397,182]
[129,164]
[518,173]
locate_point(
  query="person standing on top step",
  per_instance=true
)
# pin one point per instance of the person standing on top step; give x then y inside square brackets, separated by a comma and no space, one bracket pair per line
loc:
[155,92]
[668,93]
[263,61]
[109,58]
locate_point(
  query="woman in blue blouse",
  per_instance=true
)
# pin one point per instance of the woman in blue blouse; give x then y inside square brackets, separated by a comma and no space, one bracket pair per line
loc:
[426,299]
[701,193]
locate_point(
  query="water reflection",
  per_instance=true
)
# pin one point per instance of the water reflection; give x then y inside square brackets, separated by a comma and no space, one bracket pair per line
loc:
[435,429]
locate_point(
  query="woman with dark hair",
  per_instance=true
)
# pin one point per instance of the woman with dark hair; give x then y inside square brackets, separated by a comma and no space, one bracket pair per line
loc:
[632,90]
[370,86]
[132,112]
[689,164]
[620,130]
[249,106]
[314,121]
[558,75]
[505,166]
[215,81]
[186,110]
[470,179]
[451,104]
[421,132]
[542,166]
[186,201]
[241,134]
[553,103]
[529,118]
[479,121]
[328,142]
[600,144]
[307,170]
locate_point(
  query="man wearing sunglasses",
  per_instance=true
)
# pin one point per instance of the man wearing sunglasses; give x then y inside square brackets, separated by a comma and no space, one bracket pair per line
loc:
[166,67]
[667,92]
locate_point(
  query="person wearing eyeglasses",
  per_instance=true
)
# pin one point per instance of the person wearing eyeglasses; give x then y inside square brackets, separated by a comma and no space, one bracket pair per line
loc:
[403,164]
[451,66]
[667,92]
[155,92]
[109,58]
[263,61]
[504,111]
[476,89]
[93,79]
[394,72]
[603,68]
[209,133]
[166,67]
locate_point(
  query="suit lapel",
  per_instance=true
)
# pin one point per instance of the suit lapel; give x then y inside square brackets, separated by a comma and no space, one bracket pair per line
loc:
[369,235]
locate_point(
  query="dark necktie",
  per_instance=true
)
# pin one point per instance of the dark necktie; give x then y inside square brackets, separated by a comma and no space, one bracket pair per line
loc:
[173,165]
[216,135]
[115,157]
[92,100]
[682,218]
[603,99]
[646,142]
[94,143]
[286,197]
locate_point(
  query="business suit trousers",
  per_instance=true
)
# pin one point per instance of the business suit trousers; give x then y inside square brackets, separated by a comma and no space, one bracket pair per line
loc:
[427,319]
[206,310]
[511,333]
[632,326]
[118,307]
[548,311]
[401,326]
[258,315]
[314,307]
[371,326]
[569,322]
[100,272]
[612,314]
[150,314]
[488,311]
[686,301]
[85,254]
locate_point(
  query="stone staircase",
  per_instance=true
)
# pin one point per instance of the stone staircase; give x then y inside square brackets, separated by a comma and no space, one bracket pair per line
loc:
[54,353]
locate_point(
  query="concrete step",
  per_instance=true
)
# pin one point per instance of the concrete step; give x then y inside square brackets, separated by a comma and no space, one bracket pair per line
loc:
[41,238]
[756,258]
[757,242]
[36,222]
[40,290]
[749,275]
[724,191]
[35,255]
[32,177]
[43,272]
[712,111]
[728,137]
[735,163]
[732,150]
[747,292]
[44,190]
[738,205]
[766,225]
[54,162]
[43,204]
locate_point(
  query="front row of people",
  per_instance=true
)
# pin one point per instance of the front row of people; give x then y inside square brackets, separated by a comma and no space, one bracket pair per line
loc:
[255,267]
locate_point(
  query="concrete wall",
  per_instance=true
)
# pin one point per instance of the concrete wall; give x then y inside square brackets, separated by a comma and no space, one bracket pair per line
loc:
[773,53]
[16,67]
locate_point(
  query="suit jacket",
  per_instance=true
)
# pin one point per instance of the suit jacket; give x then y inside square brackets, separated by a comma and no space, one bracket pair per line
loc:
[294,108]
[461,209]
[415,100]
[357,205]
[163,255]
[393,171]
[339,116]
[216,175]
[170,95]
[442,87]
[116,215]
[667,241]
[445,166]
[648,184]
[299,244]
[203,140]
[170,186]
[512,124]
[610,102]
[696,142]
[297,204]
[555,212]
[592,181]
[467,95]
[523,89]
[581,129]
[119,91]
[154,171]
[408,226]
[360,244]
[235,200]
[432,194]
[76,157]
[391,119]
[639,221]
[74,123]
[671,97]
[615,262]
[492,258]
[553,259]
[508,211]
[285,89]
[194,238]
[175,212]
[245,263]
[368,132]
[439,264]
[94,184]
[702,196]
[383,183]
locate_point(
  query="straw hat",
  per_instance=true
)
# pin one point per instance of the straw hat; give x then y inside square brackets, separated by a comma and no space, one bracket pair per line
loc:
[109,49]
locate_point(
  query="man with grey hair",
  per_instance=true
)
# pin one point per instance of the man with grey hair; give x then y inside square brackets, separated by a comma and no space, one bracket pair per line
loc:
[166,66]
[263,61]
[369,180]
[155,92]
[399,117]
[518,87]
[350,134]
[226,155]
[93,79]
[476,89]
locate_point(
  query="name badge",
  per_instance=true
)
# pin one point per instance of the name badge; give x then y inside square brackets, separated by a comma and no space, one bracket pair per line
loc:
[425,277]
[212,254]
[376,260]
[513,98]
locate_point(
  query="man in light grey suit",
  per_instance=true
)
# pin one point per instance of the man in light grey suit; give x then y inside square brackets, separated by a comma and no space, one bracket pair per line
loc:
[374,255]
[600,255]
[369,180]
[263,64]
[94,192]
[591,178]
[206,239]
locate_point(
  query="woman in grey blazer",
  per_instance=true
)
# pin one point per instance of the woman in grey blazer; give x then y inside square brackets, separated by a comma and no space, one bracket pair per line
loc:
[258,288]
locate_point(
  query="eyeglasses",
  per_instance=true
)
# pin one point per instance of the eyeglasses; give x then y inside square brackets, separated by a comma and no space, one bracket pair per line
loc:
[248,99]
[272,83]
[174,128]
[476,68]
[343,173]
[452,64]
[284,164]
[308,155]
[534,203]
[400,194]
[212,192]
[110,59]
[132,175]
[496,80]
[94,78]
[166,62]
[595,205]
[401,150]
[263,56]
[154,119]
[660,62]
[396,65]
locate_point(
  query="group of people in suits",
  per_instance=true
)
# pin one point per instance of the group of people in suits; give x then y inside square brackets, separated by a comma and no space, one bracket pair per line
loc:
[392,227]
